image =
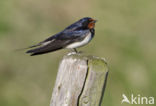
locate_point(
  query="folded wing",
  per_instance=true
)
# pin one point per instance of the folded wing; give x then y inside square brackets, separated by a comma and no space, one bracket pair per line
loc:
[57,42]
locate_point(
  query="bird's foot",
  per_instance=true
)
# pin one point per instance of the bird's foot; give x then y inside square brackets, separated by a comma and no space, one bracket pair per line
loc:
[74,51]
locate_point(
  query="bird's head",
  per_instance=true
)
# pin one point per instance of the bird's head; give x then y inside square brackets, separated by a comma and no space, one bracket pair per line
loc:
[87,22]
[84,23]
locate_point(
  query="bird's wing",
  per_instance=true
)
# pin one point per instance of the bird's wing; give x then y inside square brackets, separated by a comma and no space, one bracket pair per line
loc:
[73,35]
[58,41]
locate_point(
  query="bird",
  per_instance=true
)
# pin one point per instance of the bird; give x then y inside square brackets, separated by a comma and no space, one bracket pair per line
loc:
[75,35]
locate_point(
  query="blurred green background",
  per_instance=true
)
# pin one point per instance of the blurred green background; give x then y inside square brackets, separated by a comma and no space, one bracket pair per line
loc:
[125,36]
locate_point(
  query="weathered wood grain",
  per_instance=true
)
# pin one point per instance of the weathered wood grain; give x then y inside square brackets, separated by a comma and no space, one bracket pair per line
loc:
[80,81]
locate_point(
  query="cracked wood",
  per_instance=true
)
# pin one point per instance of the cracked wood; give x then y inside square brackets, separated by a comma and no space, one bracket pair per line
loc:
[81,81]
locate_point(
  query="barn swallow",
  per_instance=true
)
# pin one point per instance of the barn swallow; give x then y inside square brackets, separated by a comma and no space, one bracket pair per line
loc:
[76,35]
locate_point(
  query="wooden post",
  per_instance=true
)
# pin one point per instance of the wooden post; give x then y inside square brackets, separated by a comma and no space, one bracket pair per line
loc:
[80,81]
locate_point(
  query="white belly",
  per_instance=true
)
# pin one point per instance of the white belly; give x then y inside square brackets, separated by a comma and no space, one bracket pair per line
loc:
[79,44]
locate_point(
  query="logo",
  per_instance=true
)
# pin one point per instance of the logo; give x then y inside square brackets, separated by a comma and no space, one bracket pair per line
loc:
[137,99]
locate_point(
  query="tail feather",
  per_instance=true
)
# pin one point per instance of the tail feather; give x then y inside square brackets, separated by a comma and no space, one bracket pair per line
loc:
[41,50]
[27,47]
[46,47]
